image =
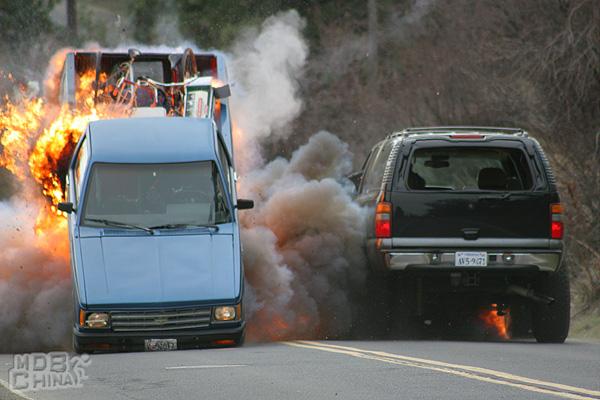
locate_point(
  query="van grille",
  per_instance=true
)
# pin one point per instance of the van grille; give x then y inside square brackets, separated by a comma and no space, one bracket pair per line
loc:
[139,321]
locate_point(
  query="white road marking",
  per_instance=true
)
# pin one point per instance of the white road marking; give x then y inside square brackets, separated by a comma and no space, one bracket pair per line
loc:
[17,393]
[207,366]
[476,373]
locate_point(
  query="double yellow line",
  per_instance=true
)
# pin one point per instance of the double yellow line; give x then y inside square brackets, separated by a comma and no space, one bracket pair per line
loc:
[465,371]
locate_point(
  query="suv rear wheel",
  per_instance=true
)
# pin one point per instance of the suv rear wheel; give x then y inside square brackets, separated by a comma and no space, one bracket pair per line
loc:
[550,322]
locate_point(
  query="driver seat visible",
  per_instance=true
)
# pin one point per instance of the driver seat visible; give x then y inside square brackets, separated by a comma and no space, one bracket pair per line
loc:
[491,179]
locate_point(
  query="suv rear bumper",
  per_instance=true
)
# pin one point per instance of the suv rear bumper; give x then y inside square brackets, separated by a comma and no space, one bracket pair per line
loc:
[542,261]
[399,254]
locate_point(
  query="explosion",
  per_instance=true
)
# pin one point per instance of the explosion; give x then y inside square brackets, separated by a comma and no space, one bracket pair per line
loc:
[37,138]
[303,258]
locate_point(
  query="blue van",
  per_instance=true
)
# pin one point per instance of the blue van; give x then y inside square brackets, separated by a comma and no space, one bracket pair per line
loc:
[155,244]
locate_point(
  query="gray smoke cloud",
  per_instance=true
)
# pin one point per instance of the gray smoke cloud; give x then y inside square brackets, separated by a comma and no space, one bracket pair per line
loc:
[303,243]
[265,65]
[35,283]
[303,253]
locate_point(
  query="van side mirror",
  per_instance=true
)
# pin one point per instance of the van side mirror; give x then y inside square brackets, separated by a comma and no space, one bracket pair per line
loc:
[244,204]
[222,92]
[66,207]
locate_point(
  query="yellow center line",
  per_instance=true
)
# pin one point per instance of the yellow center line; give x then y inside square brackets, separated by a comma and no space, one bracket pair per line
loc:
[466,371]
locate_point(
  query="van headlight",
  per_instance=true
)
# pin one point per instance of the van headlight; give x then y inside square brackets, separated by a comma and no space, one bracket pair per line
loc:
[97,320]
[227,313]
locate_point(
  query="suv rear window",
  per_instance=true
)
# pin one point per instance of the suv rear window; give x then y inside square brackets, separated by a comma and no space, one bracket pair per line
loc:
[469,168]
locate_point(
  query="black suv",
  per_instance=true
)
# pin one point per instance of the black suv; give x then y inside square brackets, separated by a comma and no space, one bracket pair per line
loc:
[469,215]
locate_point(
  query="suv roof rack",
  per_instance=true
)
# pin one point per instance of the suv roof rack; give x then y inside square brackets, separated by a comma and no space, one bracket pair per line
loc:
[452,129]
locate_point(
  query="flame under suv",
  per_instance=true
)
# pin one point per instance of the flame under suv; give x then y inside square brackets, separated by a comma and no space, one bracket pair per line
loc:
[468,215]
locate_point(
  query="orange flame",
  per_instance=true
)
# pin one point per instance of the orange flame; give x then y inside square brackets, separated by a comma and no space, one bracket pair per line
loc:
[38,139]
[498,323]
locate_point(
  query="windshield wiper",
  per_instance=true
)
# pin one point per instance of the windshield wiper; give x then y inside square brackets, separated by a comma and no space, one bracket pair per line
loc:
[120,224]
[185,225]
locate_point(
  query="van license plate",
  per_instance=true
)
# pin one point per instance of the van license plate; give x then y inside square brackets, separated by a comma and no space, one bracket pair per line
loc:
[160,344]
[470,259]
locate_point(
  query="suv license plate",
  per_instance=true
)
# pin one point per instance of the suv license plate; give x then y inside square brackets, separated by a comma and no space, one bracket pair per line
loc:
[470,259]
[160,344]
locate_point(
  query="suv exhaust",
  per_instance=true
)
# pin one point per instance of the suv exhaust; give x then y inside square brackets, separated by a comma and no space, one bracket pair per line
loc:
[529,294]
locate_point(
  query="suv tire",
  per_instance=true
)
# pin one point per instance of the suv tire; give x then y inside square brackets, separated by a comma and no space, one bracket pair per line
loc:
[550,322]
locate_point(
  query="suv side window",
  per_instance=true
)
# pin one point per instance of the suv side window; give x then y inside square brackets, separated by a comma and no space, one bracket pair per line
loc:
[83,158]
[376,168]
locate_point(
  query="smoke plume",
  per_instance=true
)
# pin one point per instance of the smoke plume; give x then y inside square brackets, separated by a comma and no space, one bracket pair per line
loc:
[265,66]
[303,241]
[35,283]
[303,244]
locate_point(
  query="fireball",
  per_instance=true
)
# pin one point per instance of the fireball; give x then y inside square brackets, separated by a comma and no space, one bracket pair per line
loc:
[38,139]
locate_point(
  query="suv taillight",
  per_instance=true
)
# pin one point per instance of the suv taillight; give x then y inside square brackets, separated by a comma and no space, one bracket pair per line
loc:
[383,220]
[556,225]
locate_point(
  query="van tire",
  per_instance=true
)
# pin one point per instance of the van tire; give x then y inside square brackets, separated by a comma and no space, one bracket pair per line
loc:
[550,322]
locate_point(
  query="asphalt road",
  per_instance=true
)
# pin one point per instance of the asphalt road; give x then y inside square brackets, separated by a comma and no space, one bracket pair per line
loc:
[342,370]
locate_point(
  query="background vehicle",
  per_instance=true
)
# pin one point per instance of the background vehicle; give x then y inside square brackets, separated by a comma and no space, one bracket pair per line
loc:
[468,216]
[153,227]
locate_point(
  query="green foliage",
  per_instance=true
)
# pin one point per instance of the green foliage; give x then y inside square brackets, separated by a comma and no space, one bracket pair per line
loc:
[23,22]
[145,15]
[216,23]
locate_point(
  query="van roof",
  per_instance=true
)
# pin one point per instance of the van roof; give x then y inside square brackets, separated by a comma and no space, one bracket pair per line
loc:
[152,140]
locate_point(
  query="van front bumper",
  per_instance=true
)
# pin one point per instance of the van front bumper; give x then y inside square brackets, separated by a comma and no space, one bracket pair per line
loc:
[106,339]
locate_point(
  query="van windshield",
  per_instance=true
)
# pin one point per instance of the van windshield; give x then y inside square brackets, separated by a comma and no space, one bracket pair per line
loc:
[156,194]
[469,168]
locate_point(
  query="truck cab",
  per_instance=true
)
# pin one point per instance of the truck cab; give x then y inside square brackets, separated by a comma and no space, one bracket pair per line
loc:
[154,236]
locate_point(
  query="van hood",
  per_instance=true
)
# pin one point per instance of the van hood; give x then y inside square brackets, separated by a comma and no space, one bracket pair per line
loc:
[153,269]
